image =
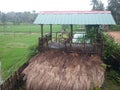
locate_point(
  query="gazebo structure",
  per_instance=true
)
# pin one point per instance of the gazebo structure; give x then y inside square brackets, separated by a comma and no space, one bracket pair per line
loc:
[74,63]
[81,44]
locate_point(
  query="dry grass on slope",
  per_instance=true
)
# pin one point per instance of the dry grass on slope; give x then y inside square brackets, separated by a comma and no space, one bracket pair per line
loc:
[53,70]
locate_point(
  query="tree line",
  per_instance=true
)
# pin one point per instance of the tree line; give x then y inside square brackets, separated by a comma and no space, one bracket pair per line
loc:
[17,17]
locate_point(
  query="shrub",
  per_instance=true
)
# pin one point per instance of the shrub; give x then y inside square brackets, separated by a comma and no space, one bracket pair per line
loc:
[111,48]
[114,76]
[33,50]
[115,28]
[111,57]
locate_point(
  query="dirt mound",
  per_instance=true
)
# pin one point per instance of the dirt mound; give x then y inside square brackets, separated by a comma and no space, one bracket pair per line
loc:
[53,70]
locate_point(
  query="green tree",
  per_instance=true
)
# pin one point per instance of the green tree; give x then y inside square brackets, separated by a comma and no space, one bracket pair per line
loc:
[100,6]
[97,5]
[4,21]
[94,3]
[114,7]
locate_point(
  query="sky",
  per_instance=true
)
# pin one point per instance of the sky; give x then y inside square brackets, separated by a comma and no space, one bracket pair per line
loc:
[45,5]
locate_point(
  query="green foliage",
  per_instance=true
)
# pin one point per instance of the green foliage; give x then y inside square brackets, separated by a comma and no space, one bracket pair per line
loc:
[65,26]
[91,34]
[14,51]
[3,18]
[114,76]
[96,88]
[33,50]
[18,17]
[97,5]
[111,56]
[105,66]
[115,28]
[111,48]
[114,7]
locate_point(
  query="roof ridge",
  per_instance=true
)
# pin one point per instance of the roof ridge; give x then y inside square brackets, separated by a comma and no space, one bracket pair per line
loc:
[73,12]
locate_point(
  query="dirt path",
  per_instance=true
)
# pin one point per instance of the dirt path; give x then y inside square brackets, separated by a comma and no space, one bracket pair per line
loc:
[116,35]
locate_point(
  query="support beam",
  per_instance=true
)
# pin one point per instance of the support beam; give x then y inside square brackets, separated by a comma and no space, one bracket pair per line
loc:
[51,31]
[41,30]
[71,28]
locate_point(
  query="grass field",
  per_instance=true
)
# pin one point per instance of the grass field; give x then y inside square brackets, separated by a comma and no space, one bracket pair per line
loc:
[14,43]
[14,51]
[27,28]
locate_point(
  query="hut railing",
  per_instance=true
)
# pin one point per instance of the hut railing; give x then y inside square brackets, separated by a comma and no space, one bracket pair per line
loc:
[85,48]
[94,46]
[43,41]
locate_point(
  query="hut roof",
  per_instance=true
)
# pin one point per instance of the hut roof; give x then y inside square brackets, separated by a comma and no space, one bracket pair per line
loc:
[75,17]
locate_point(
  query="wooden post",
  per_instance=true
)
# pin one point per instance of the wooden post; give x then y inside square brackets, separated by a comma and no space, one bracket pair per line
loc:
[51,32]
[71,34]
[71,27]
[40,42]
[41,30]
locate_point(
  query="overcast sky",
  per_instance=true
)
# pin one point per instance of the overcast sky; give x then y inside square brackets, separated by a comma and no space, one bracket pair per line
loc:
[45,5]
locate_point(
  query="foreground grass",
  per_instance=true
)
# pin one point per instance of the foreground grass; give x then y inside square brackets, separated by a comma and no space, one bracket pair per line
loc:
[14,51]
[110,85]
[14,43]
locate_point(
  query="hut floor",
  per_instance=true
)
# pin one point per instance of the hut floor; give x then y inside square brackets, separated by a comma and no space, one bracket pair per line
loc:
[55,70]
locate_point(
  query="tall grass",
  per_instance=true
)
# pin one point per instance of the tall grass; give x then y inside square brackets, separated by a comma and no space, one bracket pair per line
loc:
[14,51]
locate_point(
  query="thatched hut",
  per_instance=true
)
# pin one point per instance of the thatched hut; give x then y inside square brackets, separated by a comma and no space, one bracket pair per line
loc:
[71,66]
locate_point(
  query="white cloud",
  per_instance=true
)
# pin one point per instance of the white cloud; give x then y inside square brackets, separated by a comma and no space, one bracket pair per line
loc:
[44,5]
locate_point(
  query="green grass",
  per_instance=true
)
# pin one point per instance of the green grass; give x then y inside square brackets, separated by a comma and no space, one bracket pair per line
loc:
[28,28]
[110,85]
[14,46]
[14,51]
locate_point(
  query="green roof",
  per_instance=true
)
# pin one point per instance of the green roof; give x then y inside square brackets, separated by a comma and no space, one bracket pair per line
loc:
[75,17]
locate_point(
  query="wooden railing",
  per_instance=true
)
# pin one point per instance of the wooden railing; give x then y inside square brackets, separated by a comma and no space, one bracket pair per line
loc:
[67,44]
[43,41]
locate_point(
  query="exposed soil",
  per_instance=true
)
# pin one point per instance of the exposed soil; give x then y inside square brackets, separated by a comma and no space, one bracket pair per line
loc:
[115,35]
[55,70]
